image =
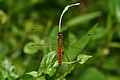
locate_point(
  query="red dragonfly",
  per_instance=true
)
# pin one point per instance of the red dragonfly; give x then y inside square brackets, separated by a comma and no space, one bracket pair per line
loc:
[52,41]
[60,35]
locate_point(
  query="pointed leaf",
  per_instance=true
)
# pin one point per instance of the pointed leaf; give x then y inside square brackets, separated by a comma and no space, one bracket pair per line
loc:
[81,43]
[33,73]
[82,58]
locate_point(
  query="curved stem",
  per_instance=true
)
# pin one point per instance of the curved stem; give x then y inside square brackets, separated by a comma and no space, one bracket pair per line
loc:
[70,62]
[65,9]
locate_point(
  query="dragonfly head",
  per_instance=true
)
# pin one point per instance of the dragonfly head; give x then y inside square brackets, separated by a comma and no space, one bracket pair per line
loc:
[60,34]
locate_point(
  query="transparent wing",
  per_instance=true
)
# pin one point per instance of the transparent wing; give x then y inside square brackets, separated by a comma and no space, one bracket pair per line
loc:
[51,42]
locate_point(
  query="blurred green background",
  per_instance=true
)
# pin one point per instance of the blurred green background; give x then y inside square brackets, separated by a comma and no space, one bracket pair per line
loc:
[25,21]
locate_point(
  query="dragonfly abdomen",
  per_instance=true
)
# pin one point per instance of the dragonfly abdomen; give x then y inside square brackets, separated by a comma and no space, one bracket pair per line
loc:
[60,36]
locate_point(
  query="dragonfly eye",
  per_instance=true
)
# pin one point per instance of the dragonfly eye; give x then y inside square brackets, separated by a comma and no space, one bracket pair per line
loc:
[60,34]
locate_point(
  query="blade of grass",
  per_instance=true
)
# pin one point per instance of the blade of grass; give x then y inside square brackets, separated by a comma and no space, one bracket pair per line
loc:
[83,18]
[81,43]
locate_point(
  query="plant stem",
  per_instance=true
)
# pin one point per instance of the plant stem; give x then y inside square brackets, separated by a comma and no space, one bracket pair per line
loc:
[65,9]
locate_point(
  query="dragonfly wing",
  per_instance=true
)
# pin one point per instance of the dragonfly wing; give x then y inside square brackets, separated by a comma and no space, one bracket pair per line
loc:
[81,43]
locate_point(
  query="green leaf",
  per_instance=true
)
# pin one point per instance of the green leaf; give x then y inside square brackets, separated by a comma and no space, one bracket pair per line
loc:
[66,72]
[82,58]
[114,8]
[83,18]
[41,78]
[33,73]
[7,70]
[80,44]
[48,64]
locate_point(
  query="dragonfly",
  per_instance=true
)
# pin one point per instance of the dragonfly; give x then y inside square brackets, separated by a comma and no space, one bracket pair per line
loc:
[60,35]
[58,44]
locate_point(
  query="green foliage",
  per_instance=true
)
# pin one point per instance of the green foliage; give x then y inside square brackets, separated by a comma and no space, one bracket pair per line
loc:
[83,18]
[48,64]
[7,70]
[25,23]
[80,44]
[90,74]
[82,58]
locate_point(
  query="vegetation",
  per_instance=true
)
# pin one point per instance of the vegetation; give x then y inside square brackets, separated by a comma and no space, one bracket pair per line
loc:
[91,40]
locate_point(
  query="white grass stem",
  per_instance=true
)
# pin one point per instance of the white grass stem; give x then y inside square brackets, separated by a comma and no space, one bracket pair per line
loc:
[65,9]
